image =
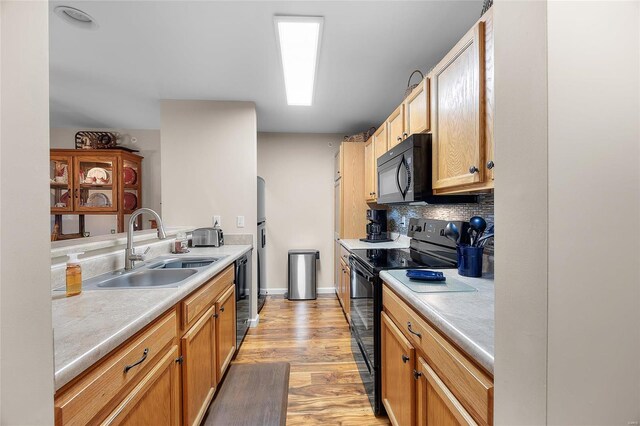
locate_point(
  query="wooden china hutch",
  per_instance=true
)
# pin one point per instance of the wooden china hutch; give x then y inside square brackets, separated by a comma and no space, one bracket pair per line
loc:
[94,182]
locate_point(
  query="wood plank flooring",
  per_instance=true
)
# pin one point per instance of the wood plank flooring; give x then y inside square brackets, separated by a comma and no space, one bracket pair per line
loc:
[313,336]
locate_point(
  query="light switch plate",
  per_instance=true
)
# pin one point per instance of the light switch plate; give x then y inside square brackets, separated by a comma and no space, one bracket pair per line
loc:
[240,222]
[217,218]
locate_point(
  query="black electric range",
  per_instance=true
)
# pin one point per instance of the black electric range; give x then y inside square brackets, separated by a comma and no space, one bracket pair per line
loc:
[429,249]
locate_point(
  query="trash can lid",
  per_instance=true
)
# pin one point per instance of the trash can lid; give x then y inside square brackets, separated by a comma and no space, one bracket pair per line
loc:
[305,251]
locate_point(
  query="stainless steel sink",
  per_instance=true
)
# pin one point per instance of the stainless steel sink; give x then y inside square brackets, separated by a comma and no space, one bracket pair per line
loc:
[161,272]
[184,263]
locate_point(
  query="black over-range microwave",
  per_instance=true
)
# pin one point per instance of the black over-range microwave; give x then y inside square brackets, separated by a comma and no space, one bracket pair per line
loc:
[404,174]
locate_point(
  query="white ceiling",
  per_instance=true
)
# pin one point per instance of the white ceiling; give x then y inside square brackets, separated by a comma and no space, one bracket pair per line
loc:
[145,51]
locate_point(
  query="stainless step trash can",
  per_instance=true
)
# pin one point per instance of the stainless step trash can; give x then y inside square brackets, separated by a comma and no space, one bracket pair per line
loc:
[302,274]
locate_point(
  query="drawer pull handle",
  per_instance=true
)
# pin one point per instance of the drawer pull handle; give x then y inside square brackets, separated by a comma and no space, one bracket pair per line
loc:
[413,332]
[140,361]
[405,358]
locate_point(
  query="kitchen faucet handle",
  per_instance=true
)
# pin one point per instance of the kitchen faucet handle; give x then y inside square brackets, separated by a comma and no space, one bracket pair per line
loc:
[147,250]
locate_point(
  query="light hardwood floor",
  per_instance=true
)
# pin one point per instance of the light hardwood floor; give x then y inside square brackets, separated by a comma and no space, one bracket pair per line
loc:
[313,336]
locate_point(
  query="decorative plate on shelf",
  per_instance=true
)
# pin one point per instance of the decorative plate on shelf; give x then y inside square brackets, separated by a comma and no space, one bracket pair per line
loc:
[130,201]
[98,199]
[130,175]
[98,175]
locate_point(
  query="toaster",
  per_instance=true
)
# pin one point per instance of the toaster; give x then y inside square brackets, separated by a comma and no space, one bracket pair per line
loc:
[207,237]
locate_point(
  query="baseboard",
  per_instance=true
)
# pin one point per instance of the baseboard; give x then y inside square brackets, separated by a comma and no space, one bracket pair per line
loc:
[280,291]
[253,322]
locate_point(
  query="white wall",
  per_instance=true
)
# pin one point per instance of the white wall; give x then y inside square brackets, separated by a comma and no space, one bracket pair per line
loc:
[521,212]
[26,342]
[594,188]
[298,170]
[148,142]
[208,165]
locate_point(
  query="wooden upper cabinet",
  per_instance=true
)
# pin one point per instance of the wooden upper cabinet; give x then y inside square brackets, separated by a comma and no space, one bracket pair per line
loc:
[436,405]
[380,142]
[337,164]
[458,113]
[416,109]
[395,127]
[199,374]
[155,400]
[489,94]
[398,361]
[226,329]
[370,175]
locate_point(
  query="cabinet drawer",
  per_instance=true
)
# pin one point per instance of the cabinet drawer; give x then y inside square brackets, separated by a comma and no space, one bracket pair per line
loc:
[467,382]
[199,301]
[85,399]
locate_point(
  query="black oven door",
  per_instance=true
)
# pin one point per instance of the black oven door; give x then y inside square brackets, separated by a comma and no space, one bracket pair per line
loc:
[362,312]
[395,180]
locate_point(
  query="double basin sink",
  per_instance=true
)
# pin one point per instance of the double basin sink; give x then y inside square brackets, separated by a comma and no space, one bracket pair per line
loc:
[161,272]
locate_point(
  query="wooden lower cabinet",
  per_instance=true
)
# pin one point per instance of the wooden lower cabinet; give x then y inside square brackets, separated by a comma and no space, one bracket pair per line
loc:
[426,380]
[156,399]
[344,287]
[225,330]
[435,403]
[199,369]
[166,374]
[398,388]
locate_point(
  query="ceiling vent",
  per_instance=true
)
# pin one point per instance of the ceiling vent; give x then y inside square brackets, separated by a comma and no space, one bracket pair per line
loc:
[76,17]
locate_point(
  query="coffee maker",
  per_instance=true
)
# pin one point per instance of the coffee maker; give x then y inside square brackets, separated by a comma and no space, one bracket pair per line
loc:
[377,227]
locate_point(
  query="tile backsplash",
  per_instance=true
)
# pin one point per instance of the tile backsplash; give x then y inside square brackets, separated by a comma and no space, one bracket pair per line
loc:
[484,208]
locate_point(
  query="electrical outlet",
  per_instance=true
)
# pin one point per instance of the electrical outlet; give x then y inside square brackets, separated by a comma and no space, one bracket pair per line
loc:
[217,219]
[403,221]
[240,222]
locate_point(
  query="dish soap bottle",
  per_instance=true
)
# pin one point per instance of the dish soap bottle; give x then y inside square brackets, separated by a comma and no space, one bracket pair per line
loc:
[74,275]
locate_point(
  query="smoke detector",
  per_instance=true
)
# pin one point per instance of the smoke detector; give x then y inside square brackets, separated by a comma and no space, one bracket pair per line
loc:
[76,17]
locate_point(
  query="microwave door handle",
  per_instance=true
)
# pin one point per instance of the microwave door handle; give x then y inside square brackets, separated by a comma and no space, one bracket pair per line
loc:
[403,191]
[398,177]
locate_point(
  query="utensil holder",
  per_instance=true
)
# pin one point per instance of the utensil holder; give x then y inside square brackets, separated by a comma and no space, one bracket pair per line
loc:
[470,261]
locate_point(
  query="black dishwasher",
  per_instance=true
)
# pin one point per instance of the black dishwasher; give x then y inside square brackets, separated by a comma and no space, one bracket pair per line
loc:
[243,299]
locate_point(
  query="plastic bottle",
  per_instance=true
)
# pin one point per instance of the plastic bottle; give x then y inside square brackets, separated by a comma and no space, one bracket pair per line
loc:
[74,275]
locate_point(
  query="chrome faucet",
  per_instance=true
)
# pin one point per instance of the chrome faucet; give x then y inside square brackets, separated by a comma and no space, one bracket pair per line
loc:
[130,256]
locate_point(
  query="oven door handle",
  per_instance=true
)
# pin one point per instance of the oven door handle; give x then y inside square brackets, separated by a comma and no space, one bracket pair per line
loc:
[362,273]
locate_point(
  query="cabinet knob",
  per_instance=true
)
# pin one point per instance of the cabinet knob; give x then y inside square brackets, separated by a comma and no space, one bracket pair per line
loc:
[221,308]
[373,193]
[490,165]
[405,135]
[416,374]
[399,138]
[405,358]
[473,169]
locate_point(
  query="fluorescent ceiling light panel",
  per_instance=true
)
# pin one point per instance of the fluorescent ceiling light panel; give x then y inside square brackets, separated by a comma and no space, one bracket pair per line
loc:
[299,42]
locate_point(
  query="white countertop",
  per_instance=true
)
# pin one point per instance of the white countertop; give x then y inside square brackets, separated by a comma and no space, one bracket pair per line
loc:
[89,326]
[467,319]
[399,243]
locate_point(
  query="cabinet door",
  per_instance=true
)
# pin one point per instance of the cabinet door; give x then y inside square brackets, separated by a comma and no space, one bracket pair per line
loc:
[346,291]
[337,164]
[416,109]
[226,329]
[370,171]
[398,387]
[380,145]
[156,399]
[395,127]
[337,208]
[436,405]
[60,183]
[96,183]
[458,113]
[199,374]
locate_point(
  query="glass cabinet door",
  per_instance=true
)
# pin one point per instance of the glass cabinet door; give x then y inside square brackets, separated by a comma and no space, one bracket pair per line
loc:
[131,184]
[60,185]
[96,183]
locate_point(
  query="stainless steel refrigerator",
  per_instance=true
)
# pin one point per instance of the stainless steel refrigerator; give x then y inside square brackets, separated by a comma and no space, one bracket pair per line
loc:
[262,244]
